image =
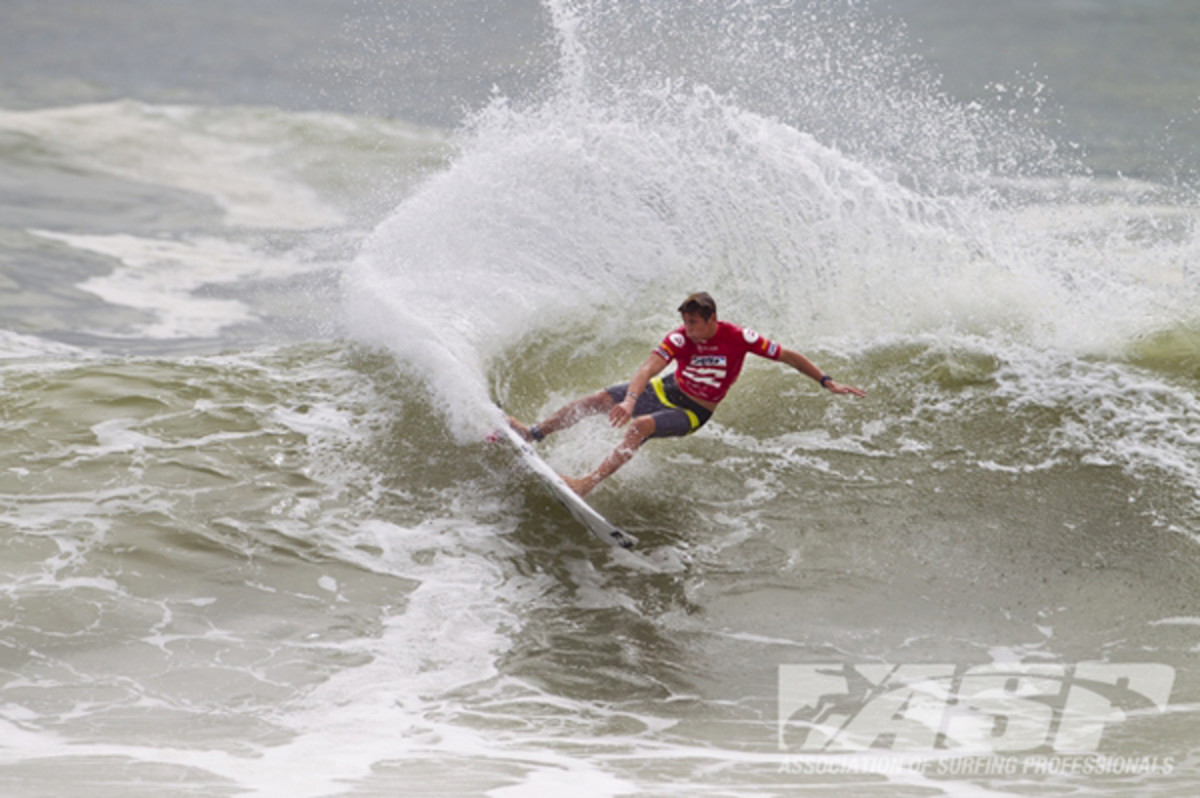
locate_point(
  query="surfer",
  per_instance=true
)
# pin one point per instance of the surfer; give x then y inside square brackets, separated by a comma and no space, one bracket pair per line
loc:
[708,355]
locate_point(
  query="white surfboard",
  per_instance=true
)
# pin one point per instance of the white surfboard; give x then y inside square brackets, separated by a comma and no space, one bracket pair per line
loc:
[583,512]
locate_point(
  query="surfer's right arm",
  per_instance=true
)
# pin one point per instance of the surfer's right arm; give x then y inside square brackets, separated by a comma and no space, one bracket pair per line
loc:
[623,411]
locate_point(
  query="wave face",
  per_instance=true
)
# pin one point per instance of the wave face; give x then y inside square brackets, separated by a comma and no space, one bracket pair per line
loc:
[252,540]
[801,166]
[1027,329]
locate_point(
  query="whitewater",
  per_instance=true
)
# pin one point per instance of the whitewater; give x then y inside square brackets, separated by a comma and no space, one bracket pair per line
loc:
[261,307]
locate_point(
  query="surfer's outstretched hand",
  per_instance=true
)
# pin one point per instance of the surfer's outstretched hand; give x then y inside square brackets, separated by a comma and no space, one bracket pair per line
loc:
[837,387]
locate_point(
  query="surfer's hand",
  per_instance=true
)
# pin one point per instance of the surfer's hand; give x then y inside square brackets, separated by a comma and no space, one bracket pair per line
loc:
[850,389]
[622,412]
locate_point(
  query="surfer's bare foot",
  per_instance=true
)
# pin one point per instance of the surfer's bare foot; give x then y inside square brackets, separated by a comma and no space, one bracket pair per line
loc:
[522,430]
[581,485]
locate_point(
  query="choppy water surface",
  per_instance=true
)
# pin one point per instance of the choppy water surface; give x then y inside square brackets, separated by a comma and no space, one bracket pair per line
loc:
[254,318]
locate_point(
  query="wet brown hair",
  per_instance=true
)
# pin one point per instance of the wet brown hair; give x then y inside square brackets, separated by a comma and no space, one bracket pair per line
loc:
[700,303]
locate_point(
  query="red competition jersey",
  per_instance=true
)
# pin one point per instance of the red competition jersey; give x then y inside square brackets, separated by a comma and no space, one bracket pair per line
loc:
[707,371]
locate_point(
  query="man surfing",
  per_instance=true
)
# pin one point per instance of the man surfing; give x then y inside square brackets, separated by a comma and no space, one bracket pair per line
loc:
[708,355]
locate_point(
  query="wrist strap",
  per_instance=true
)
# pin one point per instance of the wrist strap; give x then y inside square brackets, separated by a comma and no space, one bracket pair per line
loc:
[826,380]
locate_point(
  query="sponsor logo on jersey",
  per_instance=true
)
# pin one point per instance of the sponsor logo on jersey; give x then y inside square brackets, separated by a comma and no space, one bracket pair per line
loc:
[751,336]
[710,370]
[714,378]
[677,340]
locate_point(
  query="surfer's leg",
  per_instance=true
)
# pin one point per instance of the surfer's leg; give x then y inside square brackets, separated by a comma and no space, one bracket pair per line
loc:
[639,430]
[566,416]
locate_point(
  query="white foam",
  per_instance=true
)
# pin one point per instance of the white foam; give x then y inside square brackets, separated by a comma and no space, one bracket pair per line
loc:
[448,634]
[16,346]
[592,215]
[161,277]
[1118,414]
[573,781]
[226,155]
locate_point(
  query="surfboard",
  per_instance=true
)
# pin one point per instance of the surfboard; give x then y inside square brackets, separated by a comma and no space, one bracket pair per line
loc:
[583,512]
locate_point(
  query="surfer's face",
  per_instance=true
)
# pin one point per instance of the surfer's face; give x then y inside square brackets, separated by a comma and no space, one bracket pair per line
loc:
[698,328]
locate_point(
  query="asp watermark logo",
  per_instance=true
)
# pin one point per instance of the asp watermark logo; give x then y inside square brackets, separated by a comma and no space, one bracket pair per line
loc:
[983,710]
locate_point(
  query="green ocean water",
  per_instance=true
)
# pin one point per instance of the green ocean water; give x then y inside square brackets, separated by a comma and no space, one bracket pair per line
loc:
[253,327]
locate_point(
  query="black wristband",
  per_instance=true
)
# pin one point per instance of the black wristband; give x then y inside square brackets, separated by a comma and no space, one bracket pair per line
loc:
[826,379]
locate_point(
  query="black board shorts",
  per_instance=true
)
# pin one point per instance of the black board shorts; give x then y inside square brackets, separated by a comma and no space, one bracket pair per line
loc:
[675,414]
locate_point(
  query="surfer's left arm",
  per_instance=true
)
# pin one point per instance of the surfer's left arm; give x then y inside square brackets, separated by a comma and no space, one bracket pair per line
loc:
[809,369]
